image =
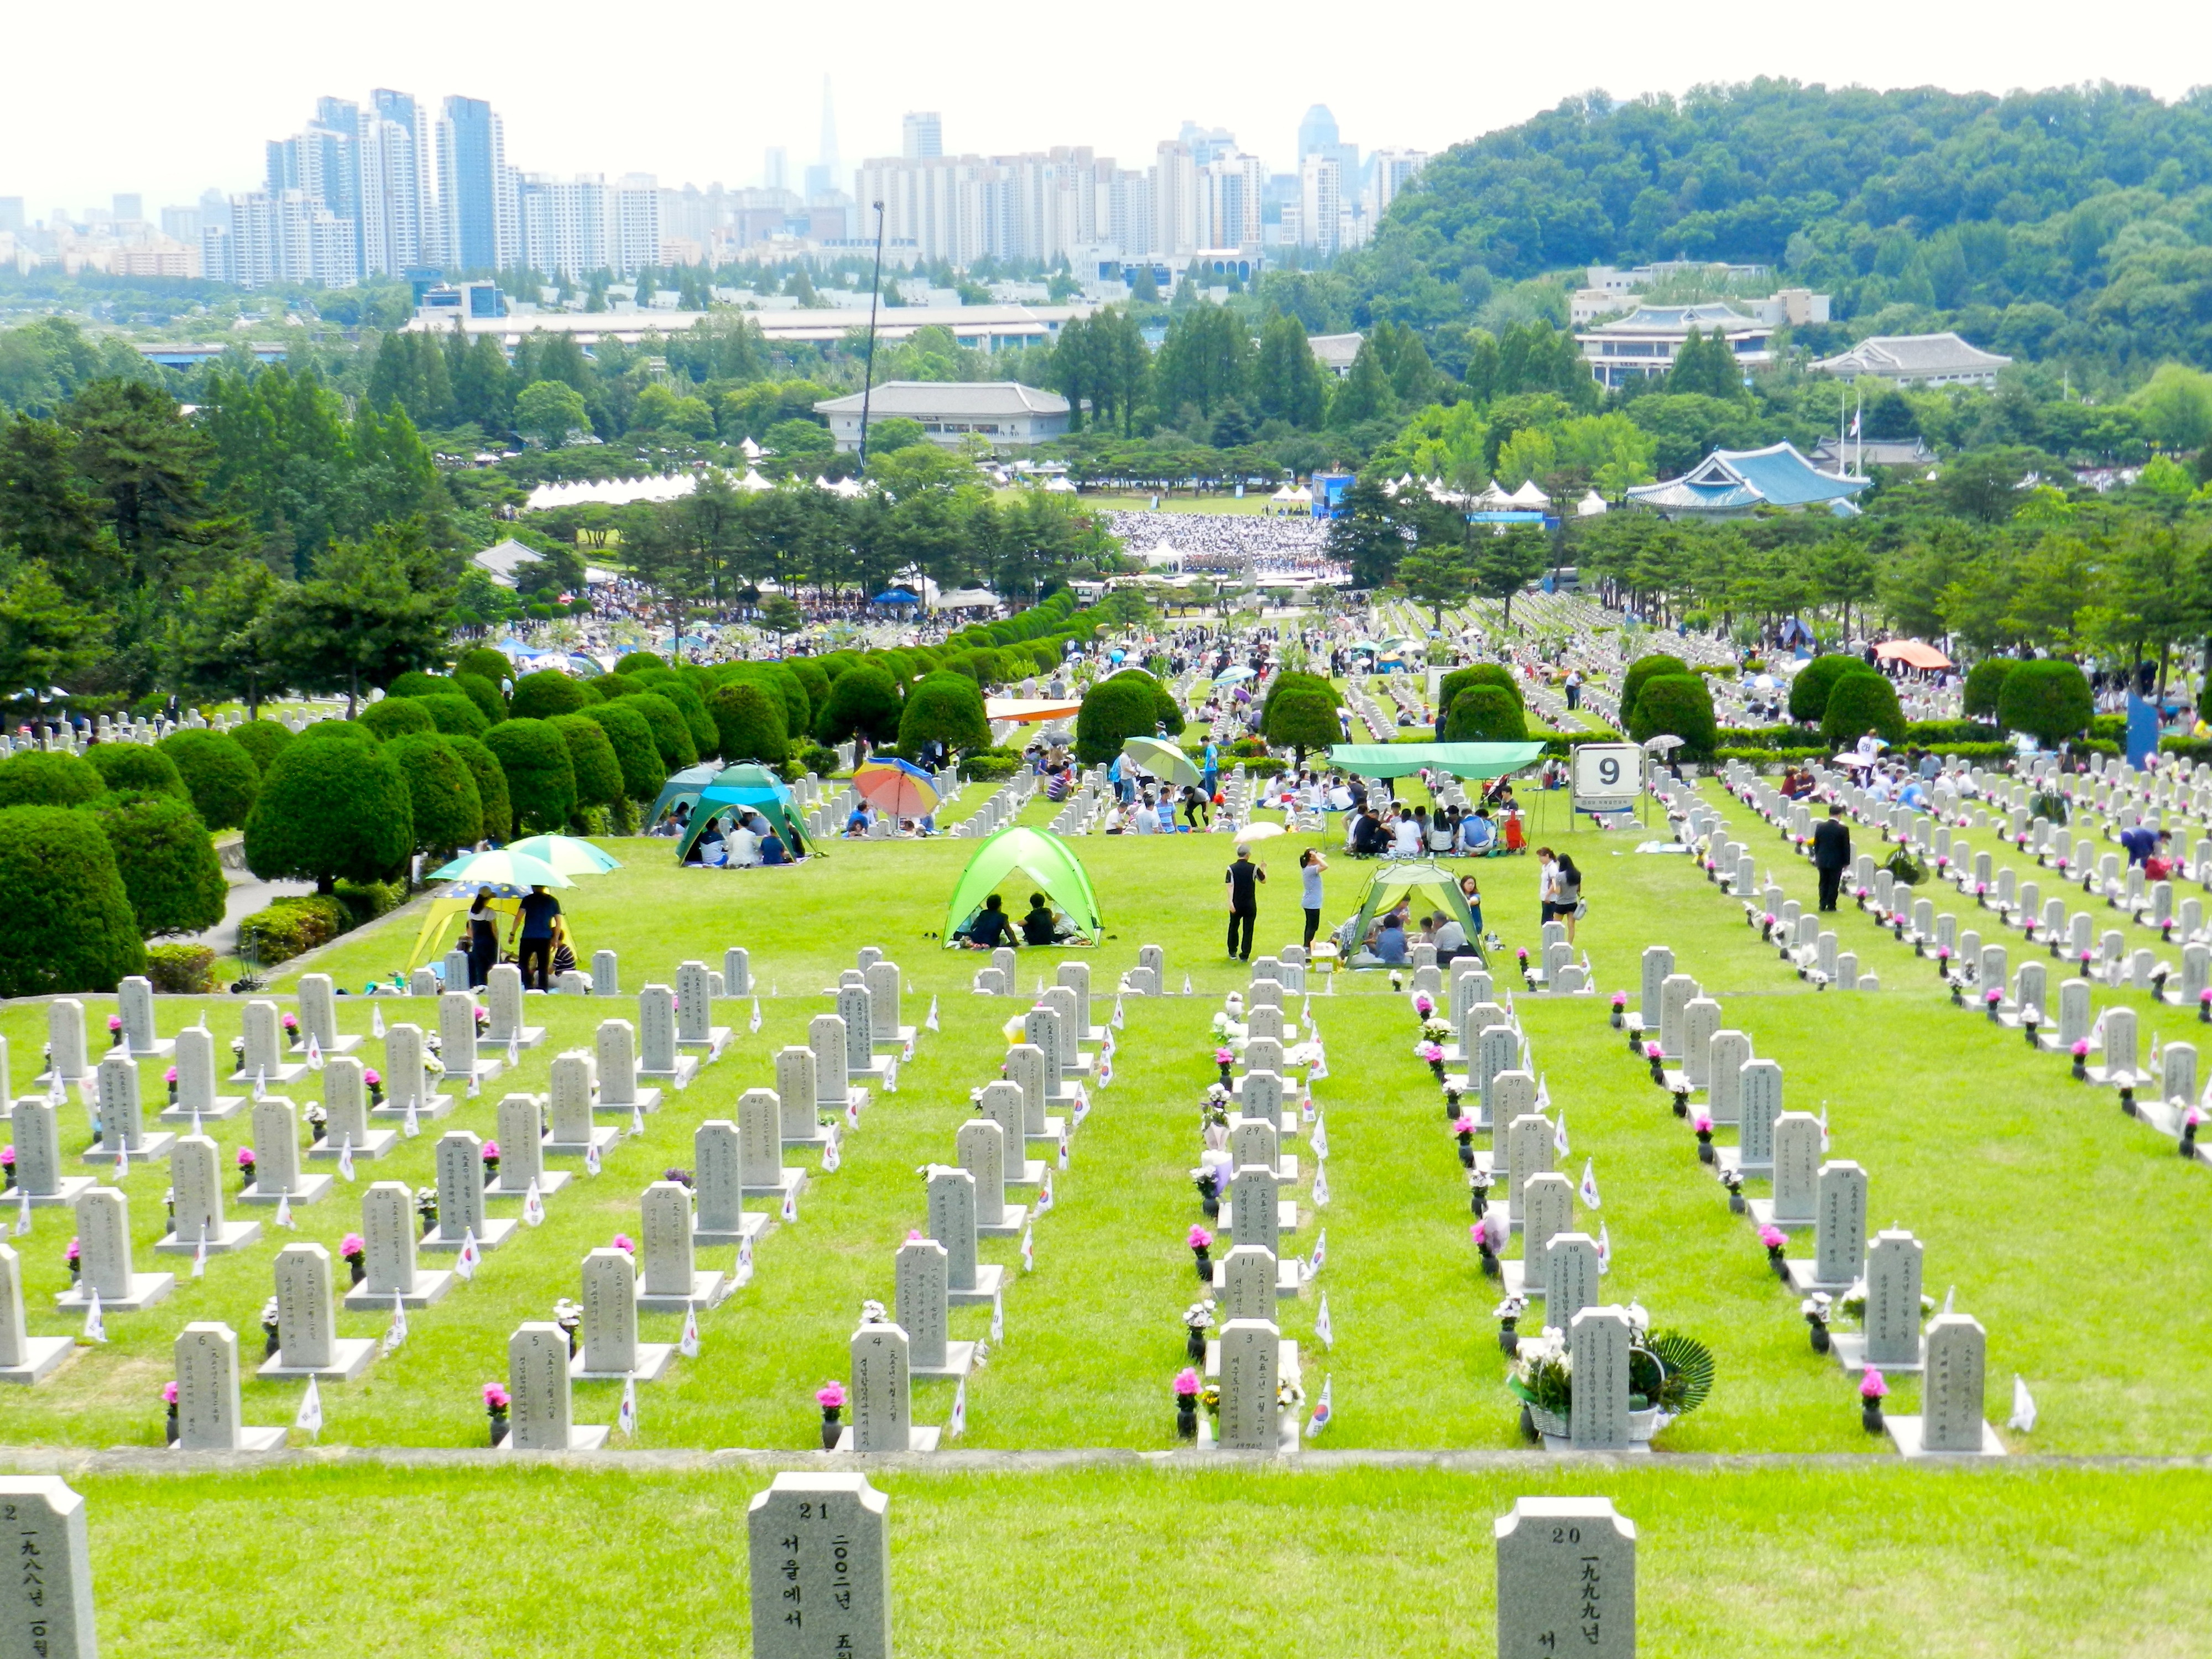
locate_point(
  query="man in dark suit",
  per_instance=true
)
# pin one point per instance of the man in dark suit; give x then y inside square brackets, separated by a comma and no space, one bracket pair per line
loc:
[1831,854]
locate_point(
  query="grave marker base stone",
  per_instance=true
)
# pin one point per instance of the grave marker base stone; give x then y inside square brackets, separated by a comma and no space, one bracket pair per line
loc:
[496,1231]
[230,1236]
[918,1439]
[373,1144]
[1907,1433]
[42,1357]
[429,1287]
[150,1149]
[989,1280]
[752,1225]
[652,1362]
[1009,1224]
[429,1109]
[224,1107]
[582,1438]
[1286,1215]
[705,1286]
[146,1288]
[606,1140]
[67,1190]
[311,1189]
[1289,1274]
[959,1360]
[350,1357]
[526,1037]
[1850,1349]
[678,1076]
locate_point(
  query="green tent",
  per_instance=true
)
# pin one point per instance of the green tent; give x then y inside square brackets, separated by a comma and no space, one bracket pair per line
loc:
[682,786]
[747,785]
[1433,888]
[1042,856]
[1462,760]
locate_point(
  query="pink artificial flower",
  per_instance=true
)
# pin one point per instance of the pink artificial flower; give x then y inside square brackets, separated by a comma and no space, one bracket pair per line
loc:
[2081,1048]
[1430,1052]
[1703,1123]
[830,1397]
[245,1157]
[1198,1238]
[72,1253]
[1773,1237]
[914,1236]
[492,1149]
[291,1021]
[169,1075]
[115,1021]
[1223,1057]
[494,1397]
[1650,1051]
[8,1156]
[1993,996]
[371,1079]
[169,1392]
[1463,1125]
[351,1245]
[1186,1383]
[1767,919]
[1620,999]
[1871,1386]
[625,1243]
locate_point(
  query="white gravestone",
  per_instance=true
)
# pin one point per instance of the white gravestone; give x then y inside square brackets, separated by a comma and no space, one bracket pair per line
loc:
[522,1151]
[610,1348]
[66,1056]
[979,1148]
[277,1176]
[122,1116]
[103,1231]
[388,1228]
[196,1184]
[695,1011]
[1003,1104]
[571,1133]
[1251,1377]
[882,1397]
[673,1280]
[134,1004]
[796,1088]
[39,1156]
[194,1060]
[504,1008]
[760,1143]
[1951,1422]
[1598,1341]
[615,1047]
[719,1218]
[821,1559]
[209,1411]
[318,1018]
[308,1344]
[1840,1237]
[458,1046]
[461,1197]
[25,1359]
[737,972]
[1566,1580]
[540,1402]
[345,1114]
[660,1057]
[952,1224]
[1890,1337]
[406,1078]
[606,974]
[265,1055]
[920,1305]
[825,1036]
[1546,1209]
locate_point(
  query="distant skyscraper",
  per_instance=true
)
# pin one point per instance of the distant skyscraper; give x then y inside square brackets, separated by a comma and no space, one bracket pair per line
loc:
[476,192]
[400,230]
[1207,144]
[821,176]
[130,208]
[11,212]
[1317,132]
[776,170]
[923,136]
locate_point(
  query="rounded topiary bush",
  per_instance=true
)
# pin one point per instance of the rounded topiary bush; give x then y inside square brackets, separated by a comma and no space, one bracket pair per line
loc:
[330,808]
[864,702]
[137,769]
[219,773]
[1485,713]
[1808,692]
[809,674]
[690,702]
[2047,699]
[541,783]
[749,722]
[1986,686]
[398,717]
[263,740]
[170,871]
[484,694]
[591,759]
[42,777]
[638,662]
[945,708]
[1480,673]
[337,731]
[541,696]
[672,732]
[65,918]
[454,715]
[1681,704]
[1302,720]
[491,786]
[636,751]
[492,665]
[442,792]
[415,684]
[1114,711]
[1858,703]
[1644,669]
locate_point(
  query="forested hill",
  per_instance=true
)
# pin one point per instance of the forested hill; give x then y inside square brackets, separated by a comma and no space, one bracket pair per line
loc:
[2072,223]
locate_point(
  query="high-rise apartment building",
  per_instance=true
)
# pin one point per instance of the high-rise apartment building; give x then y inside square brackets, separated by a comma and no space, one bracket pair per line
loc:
[775,169]
[1175,202]
[130,209]
[821,176]
[923,136]
[1232,188]
[634,237]
[1392,170]
[1320,205]
[566,224]
[476,193]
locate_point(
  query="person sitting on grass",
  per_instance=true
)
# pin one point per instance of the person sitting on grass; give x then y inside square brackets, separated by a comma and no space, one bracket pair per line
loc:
[772,849]
[1038,926]
[992,928]
[856,826]
[1390,948]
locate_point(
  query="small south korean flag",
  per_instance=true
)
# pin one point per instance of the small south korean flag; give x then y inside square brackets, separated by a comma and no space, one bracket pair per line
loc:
[311,1411]
[754,1023]
[413,1126]
[831,1155]
[853,1110]
[513,1049]
[790,1204]
[958,1426]
[592,1157]
[465,1264]
[1321,1184]
[375,1022]
[930,1022]
[1604,1250]
[1560,1136]
[95,1327]
[1105,1069]
[1186,985]
[627,1421]
[2023,1407]
[1028,1249]
[284,1213]
[314,1054]
[1116,1021]
[345,1159]
[533,1205]
[1319,1073]
[743,1275]
[1324,1408]
[261,1083]
[396,1333]
[1543,1093]
[1082,1104]
[688,1348]
[1319,1139]
[22,1227]
[1824,1128]
[1320,1257]
[1589,1188]
[1063,1148]
[1044,1201]
[891,1077]
[998,1319]
[199,1257]
[1323,1326]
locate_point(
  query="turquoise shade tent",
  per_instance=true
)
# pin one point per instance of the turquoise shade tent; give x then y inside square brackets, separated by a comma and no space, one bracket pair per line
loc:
[1043,857]
[745,785]
[1429,885]
[1462,760]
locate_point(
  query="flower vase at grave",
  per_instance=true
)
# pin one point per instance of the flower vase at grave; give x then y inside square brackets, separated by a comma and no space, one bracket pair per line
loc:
[832,1430]
[498,1416]
[1186,1417]
[2127,1101]
[1509,1334]
[1193,1342]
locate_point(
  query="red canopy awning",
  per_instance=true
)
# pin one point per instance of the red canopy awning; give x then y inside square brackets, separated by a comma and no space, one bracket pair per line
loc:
[1027,711]
[1912,653]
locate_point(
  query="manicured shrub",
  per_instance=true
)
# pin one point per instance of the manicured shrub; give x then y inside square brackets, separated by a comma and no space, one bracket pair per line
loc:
[484,694]
[330,808]
[541,696]
[65,918]
[415,684]
[491,787]
[1681,704]
[398,717]
[181,970]
[2047,699]
[454,715]
[263,740]
[947,708]
[1646,668]
[137,769]
[865,702]
[541,782]
[1986,686]
[337,731]
[1485,713]
[219,773]
[494,666]
[1480,673]
[1166,716]
[690,702]
[809,674]
[1114,711]
[170,871]
[638,661]
[291,928]
[442,792]
[42,777]
[749,723]
[365,900]
[591,759]
[672,732]
[1302,720]
[1858,703]
[1808,692]
[634,750]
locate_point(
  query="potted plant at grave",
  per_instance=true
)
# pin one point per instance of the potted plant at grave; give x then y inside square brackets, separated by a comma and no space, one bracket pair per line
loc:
[237,1052]
[355,1254]
[8,1167]
[1657,1062]
[1669,1376]
[1775,1241]
[1904,869]
[1479,1182]
[1209,1196]
[1201,1243]
[1732,1180]
[318,1121]
[246,1165]
[169,1077]
[874,1312]
[1186,1399]
[374,1082]
[491,1160]
[1541,1376]
[1619,1008]
[1435,1028]
[1489,1236]
[2030,1018]
[425,1206]
[569,1316]
[169,1406]
[2205,1007]
[1433,1055]
[2081,1060]
[831,1397]
[1943,970]
[291,1028]
[1704,1124]
[1225,1057]
[1197,1321]
[1451,1104]
[483,1019]
[1289,1396]
[1816,1308]
[1464,1128]
[1766,924]
[628,1245]
[115,1030]
[495,1398]
[1508,1314]
[2190,1120]
[681,1178]
[1210,1397]
[1872,1391]
[74,1256]
[271,1322]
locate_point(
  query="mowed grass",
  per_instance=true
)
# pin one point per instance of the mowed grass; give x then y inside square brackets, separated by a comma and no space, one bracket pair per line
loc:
[2020,1184]
[361,1561]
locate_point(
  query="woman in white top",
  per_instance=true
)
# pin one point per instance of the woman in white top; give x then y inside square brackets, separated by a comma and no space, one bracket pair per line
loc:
[1441,833]
[1406,837]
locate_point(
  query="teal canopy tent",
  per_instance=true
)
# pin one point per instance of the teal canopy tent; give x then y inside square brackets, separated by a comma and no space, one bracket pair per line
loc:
[1462,760]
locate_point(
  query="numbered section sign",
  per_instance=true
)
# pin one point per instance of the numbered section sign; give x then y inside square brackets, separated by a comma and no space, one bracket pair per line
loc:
[1607,776]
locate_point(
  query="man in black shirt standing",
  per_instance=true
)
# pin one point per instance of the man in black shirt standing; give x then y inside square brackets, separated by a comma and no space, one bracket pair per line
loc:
[1831,854]
[534,921]
[1243,879]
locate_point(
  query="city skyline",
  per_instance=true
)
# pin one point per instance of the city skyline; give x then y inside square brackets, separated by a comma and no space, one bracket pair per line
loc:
[693,118]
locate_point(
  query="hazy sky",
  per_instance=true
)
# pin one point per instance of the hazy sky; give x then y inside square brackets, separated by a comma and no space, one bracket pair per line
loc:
[167,100]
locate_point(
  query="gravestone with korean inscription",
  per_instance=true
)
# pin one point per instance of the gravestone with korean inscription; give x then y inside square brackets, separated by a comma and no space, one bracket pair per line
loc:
[1566,1580]
[820,1567]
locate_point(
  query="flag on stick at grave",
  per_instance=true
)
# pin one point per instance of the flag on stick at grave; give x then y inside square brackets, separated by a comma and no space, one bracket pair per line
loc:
[891,1077]
[1321,1184]
[513,1049]
[1589,1189]
[1560,1136]
[853,1110]
[1324,1408]
[1063,1146]
[261,1083]
[1950,1296]
[1116,1021]
[998,1319]
[464,1263]
[195,1117]
[56,1094]
[375,1022]
[314,1054]
[754,1023]
[591,1158]
[95,1327]
[1543,1093]
[22,1228]
[474,1089]
[1824,1128]
[1082,1104]
[284,1212]
[636,1119]
[199,1256]
[831,1156]
[1325,1328]
[1318,1139]
[743,1275]
[345,1158]
[1044,1198]
[396,1333]
[1105,1068]
[413,1126]
[958,1426]
[533,1205]
[311,1411]
[906,1050]
[626,1420]
[1604,1250]
[790,1204]
[1028,1252]
[1320,1257]
[688,1348]
[1186,985]
[2023,1406]
[1319,1071]
[1111,1046]
[929,1022]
